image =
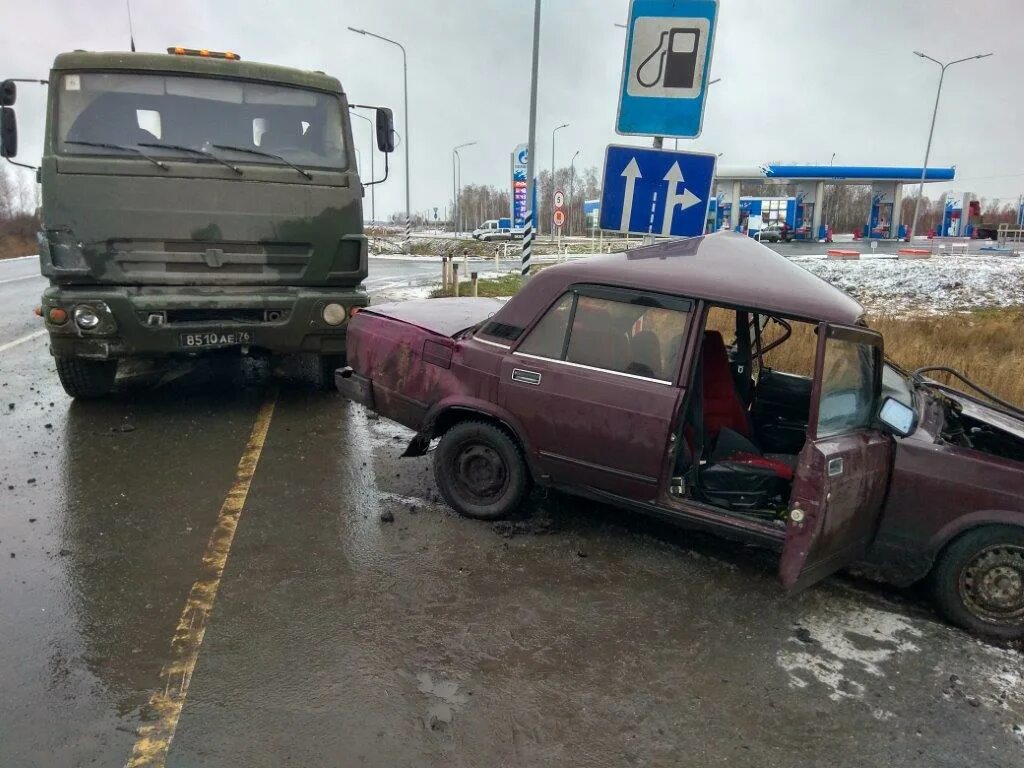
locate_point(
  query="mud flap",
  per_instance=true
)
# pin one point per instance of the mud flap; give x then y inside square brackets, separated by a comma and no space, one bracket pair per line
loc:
[418,446]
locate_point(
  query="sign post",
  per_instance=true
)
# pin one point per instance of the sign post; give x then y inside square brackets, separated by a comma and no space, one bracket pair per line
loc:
[558,216]
[665,67]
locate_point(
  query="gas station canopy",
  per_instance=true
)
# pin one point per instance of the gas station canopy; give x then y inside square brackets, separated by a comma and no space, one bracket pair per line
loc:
[852,174]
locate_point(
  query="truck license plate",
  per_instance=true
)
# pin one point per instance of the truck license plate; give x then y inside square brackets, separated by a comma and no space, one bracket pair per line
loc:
[206,339]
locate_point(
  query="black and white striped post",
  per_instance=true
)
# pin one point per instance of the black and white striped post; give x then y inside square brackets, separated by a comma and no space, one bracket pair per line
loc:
[527,243]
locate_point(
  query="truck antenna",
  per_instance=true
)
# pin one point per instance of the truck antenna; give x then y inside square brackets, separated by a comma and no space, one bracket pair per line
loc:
[131,31]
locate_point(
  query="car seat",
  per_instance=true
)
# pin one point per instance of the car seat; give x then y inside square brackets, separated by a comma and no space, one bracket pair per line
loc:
[738,474]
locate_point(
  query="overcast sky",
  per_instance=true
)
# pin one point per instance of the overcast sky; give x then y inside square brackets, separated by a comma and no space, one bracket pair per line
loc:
[801,79]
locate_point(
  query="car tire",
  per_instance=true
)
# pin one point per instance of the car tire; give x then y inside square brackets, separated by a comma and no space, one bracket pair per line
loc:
[978,582]
[480,471]
[86,379]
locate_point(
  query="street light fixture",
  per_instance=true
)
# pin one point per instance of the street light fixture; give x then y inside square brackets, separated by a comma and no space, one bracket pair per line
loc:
[556,129]
[373,174]
[405,137]
[457,183]
[931,131]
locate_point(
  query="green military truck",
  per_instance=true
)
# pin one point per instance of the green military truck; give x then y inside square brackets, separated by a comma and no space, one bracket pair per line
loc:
[194,204]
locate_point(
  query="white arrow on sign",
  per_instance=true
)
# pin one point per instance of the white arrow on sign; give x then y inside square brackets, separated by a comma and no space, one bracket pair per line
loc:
[685,199]
[631,173]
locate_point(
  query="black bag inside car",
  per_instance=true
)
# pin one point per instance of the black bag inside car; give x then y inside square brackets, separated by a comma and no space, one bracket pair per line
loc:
[741,486]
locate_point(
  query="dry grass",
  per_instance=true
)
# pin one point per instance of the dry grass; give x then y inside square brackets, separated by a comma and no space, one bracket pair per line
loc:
[987,346]
[17,245]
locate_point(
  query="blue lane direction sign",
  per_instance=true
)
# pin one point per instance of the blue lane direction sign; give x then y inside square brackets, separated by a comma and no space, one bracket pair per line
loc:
[656,191]
[665,67]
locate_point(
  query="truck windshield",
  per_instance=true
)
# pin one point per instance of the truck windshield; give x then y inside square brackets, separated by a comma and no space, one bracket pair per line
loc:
[103,113]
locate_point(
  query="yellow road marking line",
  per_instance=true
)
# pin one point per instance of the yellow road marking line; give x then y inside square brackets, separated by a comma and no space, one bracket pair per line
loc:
[154,739]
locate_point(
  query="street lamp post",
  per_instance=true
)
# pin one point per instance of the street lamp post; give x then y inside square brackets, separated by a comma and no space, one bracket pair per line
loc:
[572,179]
[373,173]
[931,130]
[457,184]
[556,129]
[405,137]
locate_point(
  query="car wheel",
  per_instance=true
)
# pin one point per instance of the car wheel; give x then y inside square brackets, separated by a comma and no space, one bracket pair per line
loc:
[86,379]
[480,471]
[978,582]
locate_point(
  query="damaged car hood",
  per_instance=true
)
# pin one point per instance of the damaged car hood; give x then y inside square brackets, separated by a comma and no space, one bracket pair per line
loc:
[975,410]
[445,317]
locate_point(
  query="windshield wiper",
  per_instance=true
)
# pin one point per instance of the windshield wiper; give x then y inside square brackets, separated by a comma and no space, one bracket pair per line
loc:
[193,150]
[123,148]
[261,153]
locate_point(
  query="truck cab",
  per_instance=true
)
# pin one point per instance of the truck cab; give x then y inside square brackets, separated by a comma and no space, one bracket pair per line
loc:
[195,204]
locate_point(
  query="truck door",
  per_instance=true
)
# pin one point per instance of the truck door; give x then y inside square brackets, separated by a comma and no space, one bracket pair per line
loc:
[843,469]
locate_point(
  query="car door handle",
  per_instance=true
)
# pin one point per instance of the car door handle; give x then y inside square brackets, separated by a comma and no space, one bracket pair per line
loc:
[835,467]
[524,376]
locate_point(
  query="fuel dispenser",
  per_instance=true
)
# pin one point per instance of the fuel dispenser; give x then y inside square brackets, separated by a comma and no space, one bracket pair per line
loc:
[880,222]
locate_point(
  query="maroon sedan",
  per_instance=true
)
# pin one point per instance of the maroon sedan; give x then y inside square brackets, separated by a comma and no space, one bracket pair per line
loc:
[610,378]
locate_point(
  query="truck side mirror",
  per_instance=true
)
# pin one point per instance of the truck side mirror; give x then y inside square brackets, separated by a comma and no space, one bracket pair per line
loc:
[385,130]
[8,93]
[898,418]
[8,132]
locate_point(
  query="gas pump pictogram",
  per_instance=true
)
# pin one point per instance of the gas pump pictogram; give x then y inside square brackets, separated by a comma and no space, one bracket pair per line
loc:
[676,64]
[667,57]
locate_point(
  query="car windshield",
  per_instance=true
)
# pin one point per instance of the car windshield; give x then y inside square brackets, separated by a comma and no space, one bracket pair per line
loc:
[896,385]
[104,113]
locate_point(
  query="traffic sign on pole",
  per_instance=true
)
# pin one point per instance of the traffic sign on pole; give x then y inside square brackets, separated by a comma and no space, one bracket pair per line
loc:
[559,217]
[656,191]
[559,198]
[665,67]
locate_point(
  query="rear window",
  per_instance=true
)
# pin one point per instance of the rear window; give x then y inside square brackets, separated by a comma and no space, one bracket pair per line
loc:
[620,332]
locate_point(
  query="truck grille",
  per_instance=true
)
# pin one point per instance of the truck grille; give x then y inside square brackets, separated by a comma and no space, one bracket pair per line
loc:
[192,261]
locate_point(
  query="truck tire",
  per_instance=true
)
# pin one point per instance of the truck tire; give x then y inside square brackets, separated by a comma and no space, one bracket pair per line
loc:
[318,370]
[978,582]
[480,471]
[86,379]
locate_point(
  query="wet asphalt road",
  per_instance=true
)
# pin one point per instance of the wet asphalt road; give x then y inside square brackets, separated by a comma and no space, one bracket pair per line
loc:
[579,636]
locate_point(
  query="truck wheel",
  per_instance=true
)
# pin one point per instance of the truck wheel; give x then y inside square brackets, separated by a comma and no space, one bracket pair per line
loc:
[978,582]
[318,370]
[480,471]
[86,378]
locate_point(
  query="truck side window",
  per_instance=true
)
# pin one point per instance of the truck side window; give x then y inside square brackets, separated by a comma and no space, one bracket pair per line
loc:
[847,388]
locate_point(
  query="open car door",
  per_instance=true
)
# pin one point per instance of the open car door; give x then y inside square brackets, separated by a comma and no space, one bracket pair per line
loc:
[843,469]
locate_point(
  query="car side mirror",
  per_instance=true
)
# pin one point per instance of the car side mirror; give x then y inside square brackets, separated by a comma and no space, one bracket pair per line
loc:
[8,93]
[898,418]
[385,130]
[8,133]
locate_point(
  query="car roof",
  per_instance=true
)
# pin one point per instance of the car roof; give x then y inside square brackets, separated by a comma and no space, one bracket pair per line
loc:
[725,268]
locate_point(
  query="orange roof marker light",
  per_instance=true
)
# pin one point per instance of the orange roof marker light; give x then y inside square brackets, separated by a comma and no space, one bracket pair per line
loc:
[179,51]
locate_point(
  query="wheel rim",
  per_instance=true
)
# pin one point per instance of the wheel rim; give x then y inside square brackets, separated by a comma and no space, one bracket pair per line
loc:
[480,473]
[992,584]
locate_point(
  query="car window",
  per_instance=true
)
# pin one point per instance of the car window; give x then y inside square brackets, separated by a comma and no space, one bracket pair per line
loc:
[623,336]
[847,388]
[548,337]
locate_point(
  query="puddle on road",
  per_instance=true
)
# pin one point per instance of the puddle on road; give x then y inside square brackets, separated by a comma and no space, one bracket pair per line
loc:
[445,700]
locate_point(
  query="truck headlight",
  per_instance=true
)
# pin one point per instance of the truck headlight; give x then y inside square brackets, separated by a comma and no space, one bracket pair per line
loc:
[86,318]
[334,314]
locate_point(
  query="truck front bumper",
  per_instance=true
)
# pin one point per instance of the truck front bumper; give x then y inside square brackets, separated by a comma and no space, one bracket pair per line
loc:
[155,321]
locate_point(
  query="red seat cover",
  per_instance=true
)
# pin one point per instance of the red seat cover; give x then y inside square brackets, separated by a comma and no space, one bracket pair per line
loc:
[722,404]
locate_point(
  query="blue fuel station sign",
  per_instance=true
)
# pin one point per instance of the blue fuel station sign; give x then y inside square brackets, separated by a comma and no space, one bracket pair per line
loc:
[665,67]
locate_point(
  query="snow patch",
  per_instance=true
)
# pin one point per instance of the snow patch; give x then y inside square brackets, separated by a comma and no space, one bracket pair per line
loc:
[834,649]
[938,285]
